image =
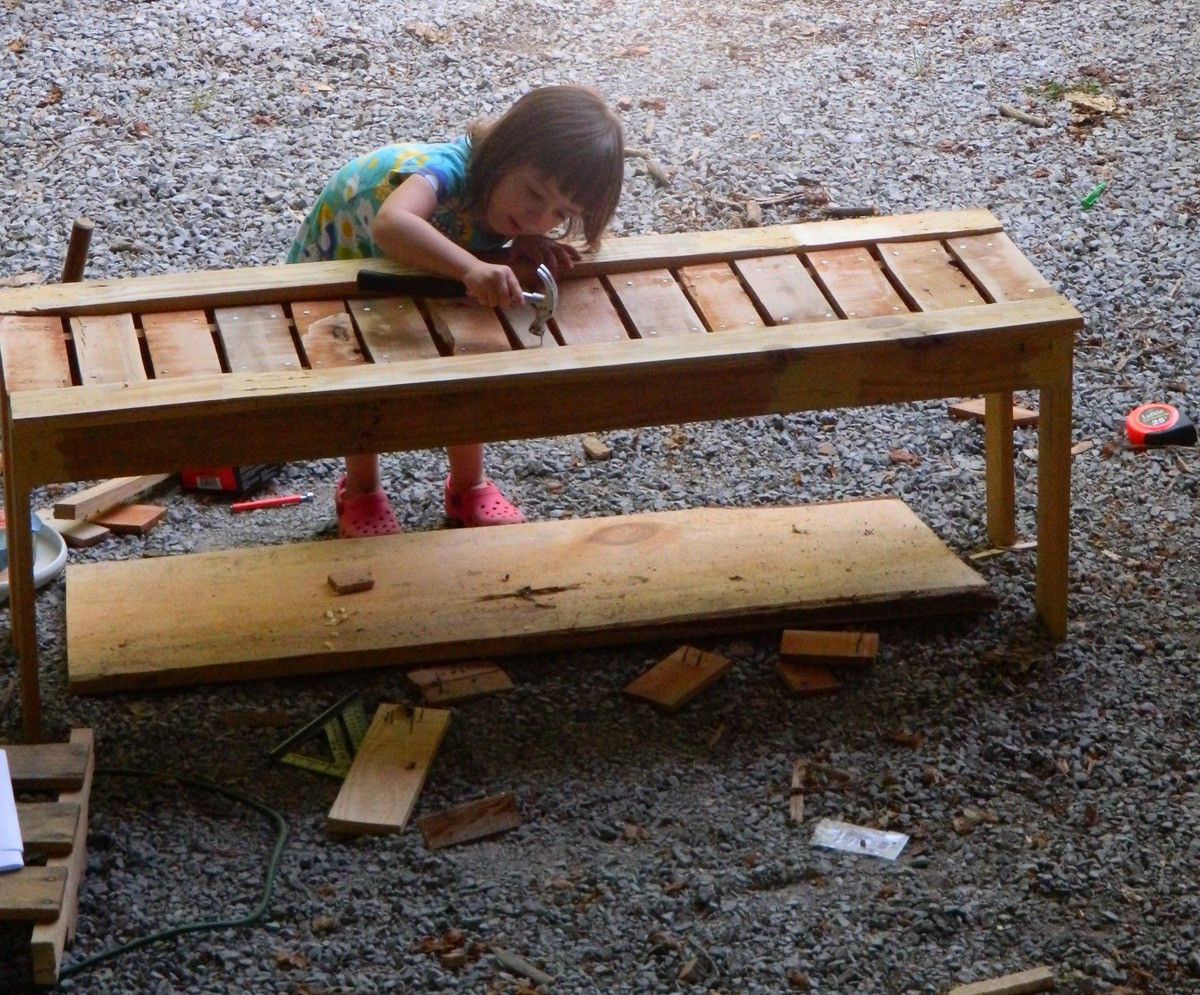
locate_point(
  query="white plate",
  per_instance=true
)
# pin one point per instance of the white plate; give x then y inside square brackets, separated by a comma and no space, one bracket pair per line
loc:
[49,558]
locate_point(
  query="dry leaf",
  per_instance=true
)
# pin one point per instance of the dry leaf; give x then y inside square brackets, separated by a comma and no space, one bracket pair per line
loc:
[290,959]
[428,33]
[905,457]
[263,119]
[631,51]
[1096,104]
[653,104]
[53,96]
[906,738]
[16,46]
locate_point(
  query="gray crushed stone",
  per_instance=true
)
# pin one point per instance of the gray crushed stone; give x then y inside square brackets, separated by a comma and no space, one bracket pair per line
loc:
[195,136]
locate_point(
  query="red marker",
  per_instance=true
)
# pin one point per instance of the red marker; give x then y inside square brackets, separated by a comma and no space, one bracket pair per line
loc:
[270,502]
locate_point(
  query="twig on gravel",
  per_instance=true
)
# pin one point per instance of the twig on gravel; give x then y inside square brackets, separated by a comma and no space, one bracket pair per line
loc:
[521,966]
[656,172]
[1008,110]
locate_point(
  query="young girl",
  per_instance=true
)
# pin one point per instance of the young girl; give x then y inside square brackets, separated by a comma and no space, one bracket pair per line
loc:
[553,162]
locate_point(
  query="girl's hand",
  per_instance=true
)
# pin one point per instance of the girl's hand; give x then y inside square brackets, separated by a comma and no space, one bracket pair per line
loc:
[492,285]
[536,250]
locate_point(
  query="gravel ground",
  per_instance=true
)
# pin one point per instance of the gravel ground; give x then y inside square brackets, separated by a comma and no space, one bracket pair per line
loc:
[195,135]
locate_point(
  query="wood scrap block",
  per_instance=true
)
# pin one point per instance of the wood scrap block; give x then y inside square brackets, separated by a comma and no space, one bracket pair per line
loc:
[77,534]
[351,580]
[48,766]
[677,679]
[388,771]
[32,893]
[595,449]
[49,939]
[828,648]
[973,410]
[443,685]
[1037,979]
[807,678]
[131,519]
[48,828]
[108,494]
[472,820]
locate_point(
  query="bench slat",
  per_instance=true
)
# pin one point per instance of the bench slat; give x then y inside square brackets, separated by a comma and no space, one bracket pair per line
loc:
[393,329]
[467,328]
[180,344]
[107,349]
[929,275]
[257,339]
[785,290]
[35,353]
[854,281]
[1000,268]
[716,293]
[329,343]
[654,304]
[586,314]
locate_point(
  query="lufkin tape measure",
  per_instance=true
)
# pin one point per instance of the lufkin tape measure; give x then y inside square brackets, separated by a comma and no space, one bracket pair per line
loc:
[1159,424]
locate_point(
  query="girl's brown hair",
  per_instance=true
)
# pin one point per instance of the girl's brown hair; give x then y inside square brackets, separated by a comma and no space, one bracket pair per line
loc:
[569,134]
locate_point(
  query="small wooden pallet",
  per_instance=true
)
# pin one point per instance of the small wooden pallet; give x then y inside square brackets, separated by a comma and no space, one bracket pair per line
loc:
[48,895]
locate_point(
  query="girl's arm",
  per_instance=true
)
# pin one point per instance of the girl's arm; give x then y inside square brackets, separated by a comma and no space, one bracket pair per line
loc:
[402,230]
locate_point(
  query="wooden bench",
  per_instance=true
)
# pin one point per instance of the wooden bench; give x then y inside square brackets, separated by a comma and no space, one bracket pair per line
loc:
[143,375]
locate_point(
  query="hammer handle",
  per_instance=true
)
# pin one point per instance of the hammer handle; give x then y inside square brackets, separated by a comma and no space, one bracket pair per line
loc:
[374,281]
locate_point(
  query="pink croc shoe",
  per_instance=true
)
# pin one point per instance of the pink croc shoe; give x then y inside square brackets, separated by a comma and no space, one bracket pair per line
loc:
[364,515]
[480,505]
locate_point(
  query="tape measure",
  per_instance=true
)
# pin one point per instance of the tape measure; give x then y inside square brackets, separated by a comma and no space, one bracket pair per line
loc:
[1159,424]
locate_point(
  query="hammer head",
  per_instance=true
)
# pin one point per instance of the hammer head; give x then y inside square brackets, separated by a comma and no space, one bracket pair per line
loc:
[543,303]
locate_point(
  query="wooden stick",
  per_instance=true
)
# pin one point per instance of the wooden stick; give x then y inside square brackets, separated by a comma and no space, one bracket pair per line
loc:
[519,965]
[104,496]
[1008,110]
[77,250]
[1037,979]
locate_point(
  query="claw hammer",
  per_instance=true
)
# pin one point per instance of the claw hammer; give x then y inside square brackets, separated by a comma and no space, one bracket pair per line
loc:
[376,281]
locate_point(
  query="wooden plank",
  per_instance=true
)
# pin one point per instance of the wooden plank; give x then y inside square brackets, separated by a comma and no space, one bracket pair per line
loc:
[303,281]
[388,771]
[76,534]
[131,519]
[854,282]
[1037,979]
[585,313]
[32,893]
[715,291]
[446,401]
[392,329]
[654,304]
[828,648]
[50,939]
[47,766]
[998,266]
[784,289]
[107,349]
[573,582]
[326,333]
[975,408]
[34,353]
[48,828]
[105,495]
[180,344]
[929,275]
[473,820]
[256,339]
[463,328]
[807,678]
[446,685]
[677,679]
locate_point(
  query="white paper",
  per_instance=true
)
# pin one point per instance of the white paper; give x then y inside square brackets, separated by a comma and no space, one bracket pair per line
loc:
[11,847]
[834,835]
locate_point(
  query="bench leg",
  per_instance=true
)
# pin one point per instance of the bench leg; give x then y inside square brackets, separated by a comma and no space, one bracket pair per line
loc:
[23,622]
[998,453]
[1054,504]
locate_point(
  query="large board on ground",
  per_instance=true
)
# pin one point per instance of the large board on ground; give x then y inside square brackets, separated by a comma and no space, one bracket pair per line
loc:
[453,594]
